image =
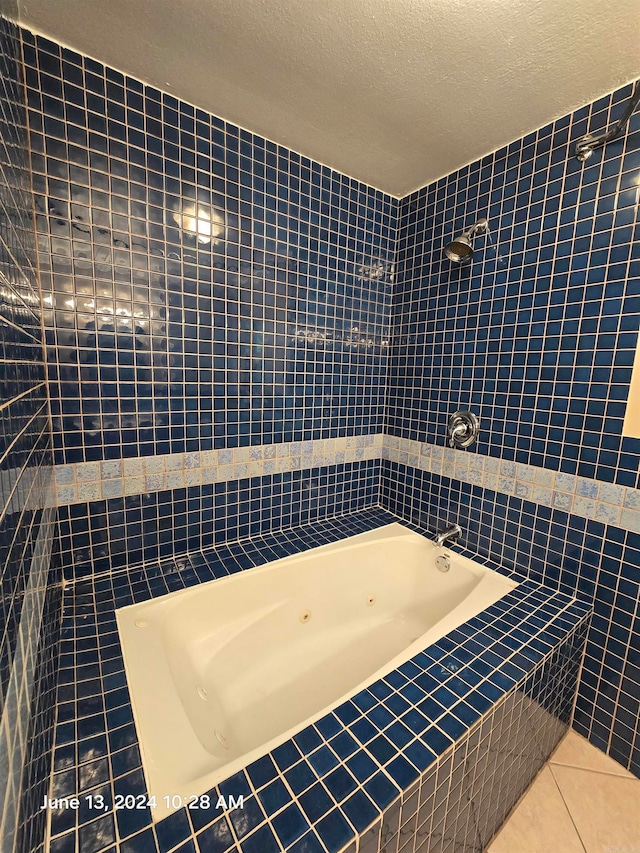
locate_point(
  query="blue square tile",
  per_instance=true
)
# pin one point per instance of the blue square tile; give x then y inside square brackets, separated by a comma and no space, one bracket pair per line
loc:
[273,797]
[334,831]
[300,777]
[360,810]
[245,819]
[290,825]
[316,802]
[262,771]
[172,830]
[436,740]
[261,841]
[322,760]
[401,771]
[339,783]
[419,755]
[361,766]
[286,755]
[381,790]
[216,838]
[307,740]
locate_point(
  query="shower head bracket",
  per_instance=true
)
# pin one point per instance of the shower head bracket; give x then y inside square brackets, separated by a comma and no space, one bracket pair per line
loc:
[479,228]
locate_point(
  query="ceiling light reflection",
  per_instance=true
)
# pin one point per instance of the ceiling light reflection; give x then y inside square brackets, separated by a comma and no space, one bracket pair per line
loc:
[206,223]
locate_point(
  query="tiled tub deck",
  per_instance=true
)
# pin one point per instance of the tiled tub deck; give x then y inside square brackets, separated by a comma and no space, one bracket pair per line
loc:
[430,758]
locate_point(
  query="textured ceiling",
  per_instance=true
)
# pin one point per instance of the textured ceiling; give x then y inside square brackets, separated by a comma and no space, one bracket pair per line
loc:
[395,93]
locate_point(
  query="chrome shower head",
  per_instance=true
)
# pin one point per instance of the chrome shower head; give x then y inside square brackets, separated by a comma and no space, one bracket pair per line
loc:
[460,250]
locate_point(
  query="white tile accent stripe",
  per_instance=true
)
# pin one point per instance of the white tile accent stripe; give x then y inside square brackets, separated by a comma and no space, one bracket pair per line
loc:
[91,481]
[592,499]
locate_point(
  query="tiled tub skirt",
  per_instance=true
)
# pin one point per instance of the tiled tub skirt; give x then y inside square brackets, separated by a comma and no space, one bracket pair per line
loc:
[430,758]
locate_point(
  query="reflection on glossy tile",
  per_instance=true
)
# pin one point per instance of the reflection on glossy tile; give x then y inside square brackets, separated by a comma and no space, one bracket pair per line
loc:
[540,823]
[605,808]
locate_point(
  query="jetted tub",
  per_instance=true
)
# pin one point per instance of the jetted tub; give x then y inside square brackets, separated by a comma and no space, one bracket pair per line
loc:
[222,672]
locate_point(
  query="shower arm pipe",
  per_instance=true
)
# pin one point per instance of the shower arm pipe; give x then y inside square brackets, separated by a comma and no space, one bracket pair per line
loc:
[479,228]
[586,145]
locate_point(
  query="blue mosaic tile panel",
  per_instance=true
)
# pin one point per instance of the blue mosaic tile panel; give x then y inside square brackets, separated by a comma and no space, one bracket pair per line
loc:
[336,780]
[462,802]
[27,611]
[104,536]
[598,562]
[272,326]
[538,335]
[39,736]
[206,290]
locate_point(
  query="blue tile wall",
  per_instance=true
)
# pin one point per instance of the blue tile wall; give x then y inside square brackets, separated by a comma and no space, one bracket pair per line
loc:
[537,337]
[29,608]
[597,562]
[277,330]
[109,535]
[159,344]
[40,733]
[462,803]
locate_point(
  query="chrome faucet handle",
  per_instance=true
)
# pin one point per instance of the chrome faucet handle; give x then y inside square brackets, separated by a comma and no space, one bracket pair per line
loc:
[463,429]
[458,433]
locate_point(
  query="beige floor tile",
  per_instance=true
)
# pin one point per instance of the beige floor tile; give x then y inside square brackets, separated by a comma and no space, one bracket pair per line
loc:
[540,823]
[576,751]
[605,808]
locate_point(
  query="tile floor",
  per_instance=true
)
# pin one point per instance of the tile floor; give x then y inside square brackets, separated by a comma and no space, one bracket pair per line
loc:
[581,802]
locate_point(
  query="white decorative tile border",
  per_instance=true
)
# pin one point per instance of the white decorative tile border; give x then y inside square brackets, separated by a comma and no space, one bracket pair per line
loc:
[92,481]
[592,499]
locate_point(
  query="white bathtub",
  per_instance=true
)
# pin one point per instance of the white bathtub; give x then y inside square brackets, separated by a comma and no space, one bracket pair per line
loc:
[221,673]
